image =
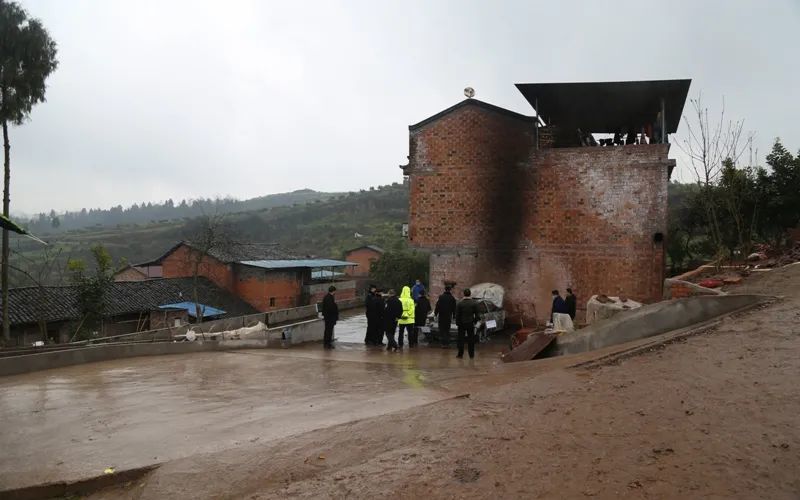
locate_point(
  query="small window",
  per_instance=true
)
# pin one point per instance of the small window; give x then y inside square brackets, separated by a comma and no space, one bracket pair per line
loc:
[272,301]
[658,237]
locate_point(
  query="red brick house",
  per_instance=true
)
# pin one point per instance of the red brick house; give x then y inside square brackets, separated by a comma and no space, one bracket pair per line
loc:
[364,256]
[263,275]
[526,202]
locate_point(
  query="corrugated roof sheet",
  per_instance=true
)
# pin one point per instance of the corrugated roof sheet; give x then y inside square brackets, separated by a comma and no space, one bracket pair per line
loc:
[58,303]
[297,263]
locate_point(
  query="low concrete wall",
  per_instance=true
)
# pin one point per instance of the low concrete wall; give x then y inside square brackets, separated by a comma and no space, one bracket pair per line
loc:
[289,315]
[653,319]
[305,331]
[295,333]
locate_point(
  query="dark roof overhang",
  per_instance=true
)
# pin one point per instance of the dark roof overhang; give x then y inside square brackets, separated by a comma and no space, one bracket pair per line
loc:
[607,107]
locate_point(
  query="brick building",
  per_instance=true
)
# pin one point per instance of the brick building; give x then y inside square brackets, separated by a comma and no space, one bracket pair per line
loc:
[263,275]
[527,203]
[364,256]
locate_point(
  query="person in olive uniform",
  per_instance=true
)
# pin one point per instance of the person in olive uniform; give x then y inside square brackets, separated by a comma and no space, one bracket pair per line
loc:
[466,317]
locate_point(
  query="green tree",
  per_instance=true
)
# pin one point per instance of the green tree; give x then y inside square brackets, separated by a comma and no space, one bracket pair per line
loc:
[686,216]
[397,269]
[27,57]
[779,193]
[92,286]
[736,196]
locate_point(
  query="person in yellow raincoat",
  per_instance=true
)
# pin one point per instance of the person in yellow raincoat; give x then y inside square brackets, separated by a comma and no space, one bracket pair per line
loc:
[407,319]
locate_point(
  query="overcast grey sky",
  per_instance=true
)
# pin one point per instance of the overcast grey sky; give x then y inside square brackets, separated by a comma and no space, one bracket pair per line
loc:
[181,99]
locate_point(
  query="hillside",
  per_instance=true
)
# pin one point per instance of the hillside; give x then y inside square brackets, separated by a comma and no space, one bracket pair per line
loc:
[323,226]
[151,213]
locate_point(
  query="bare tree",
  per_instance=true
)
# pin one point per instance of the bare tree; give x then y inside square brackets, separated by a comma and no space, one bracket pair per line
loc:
[40,272]
[205,236]
[708,145]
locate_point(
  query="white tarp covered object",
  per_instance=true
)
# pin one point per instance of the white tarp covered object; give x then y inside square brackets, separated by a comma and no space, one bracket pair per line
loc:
[562,323]
[492,292]
[597,310]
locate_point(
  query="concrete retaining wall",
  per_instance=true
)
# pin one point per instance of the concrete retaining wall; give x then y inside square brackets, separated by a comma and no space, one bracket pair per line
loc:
[305,331]
[289,315]
[652,320]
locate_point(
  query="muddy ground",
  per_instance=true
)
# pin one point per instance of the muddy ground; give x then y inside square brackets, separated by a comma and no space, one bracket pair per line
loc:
[714,415]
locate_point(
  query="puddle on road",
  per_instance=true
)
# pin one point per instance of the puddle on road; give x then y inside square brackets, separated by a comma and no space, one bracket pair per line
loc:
[352,327]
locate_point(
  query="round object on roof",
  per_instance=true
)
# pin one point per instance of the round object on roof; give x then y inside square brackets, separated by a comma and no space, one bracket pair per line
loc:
[469,92]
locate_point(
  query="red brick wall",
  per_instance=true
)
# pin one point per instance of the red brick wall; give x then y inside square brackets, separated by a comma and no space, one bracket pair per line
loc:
[341,294]
[180,264]
[491,208]
[254,286]
[363,257]
[257,286]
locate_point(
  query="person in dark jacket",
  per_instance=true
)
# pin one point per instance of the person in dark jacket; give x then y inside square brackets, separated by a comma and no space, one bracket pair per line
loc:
[445,311]
[572,303]
[373,305]
[392,312]
[379,307]
[330,313]
[466,317]
[421,310]
[559,306]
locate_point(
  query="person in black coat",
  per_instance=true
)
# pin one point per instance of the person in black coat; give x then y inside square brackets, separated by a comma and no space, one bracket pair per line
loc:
[392,312]
[572,303]
[559,306]
[446,312]
[421,309]
[379,305]
[371,305]
[330,313]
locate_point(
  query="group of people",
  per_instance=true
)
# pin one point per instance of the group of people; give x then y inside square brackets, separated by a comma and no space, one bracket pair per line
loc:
[387,313]
[408,313]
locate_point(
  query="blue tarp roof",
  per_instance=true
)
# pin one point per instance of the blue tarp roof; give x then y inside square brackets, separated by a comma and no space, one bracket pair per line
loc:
[191,308]
[297,263]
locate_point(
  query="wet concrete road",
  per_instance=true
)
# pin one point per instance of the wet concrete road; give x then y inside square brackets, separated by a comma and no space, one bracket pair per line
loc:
[71,423]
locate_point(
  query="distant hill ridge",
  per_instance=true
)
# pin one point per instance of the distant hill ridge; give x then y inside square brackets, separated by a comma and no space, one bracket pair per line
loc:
[149,212]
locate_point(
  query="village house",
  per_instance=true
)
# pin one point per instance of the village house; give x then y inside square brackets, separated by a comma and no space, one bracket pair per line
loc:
[129,307]
[364,256]
[263,275]
[534,204]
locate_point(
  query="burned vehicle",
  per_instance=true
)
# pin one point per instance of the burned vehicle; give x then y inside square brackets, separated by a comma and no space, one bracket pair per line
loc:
[492,316]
